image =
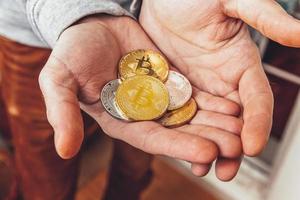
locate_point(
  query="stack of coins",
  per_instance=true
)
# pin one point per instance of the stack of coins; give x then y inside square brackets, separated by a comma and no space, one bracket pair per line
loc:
[148,90]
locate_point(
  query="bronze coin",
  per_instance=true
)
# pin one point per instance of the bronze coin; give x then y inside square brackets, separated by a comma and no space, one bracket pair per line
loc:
[180,116]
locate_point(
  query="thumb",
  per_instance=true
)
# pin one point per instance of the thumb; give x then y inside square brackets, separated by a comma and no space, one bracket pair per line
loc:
[59,90]
[268,17]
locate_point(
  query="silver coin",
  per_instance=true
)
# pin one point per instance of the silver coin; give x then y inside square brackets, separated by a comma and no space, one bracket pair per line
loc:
[180,90]
[108,99]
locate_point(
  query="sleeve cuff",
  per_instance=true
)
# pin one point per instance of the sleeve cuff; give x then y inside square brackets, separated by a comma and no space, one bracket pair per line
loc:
[49,18]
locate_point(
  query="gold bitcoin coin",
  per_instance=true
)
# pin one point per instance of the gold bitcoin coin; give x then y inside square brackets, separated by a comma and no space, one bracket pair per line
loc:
[142,97]
[144,62]
[180,116]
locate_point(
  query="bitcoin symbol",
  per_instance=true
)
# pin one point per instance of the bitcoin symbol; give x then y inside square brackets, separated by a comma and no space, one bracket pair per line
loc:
[144,67]
[143,95]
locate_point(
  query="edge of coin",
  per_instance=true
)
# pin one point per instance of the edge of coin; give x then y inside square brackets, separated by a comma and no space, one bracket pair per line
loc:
[121,116]
[183,122]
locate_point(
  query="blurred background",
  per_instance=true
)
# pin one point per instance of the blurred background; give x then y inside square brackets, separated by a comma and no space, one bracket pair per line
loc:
[272,176]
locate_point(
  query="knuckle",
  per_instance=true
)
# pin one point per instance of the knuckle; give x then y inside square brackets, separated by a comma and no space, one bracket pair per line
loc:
[233,109]
[203,151]
[233,147]
[236,126]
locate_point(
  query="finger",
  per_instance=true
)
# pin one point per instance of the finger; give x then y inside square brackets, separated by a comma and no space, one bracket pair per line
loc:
[217,120]
[63,112]
[268,17]
[200,170]
[229,144]
[227,169]
[257,100]
[155,139]
[213,103]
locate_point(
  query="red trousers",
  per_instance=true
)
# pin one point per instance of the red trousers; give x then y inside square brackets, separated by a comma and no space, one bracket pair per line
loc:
[43,175]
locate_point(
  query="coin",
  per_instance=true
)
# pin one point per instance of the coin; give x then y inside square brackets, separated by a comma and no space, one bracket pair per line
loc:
[180,90]
[180,116]
[144,62]
[109,101]
[142,97]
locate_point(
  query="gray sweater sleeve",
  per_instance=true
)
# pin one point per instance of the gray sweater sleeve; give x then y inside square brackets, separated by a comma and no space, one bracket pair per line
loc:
[49,18]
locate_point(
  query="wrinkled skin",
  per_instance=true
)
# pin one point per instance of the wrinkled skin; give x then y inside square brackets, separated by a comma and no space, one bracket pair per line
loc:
[86,57]
[210,43]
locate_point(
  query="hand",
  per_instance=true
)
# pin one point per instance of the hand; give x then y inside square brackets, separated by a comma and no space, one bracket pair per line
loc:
[209,43]
[84,59]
